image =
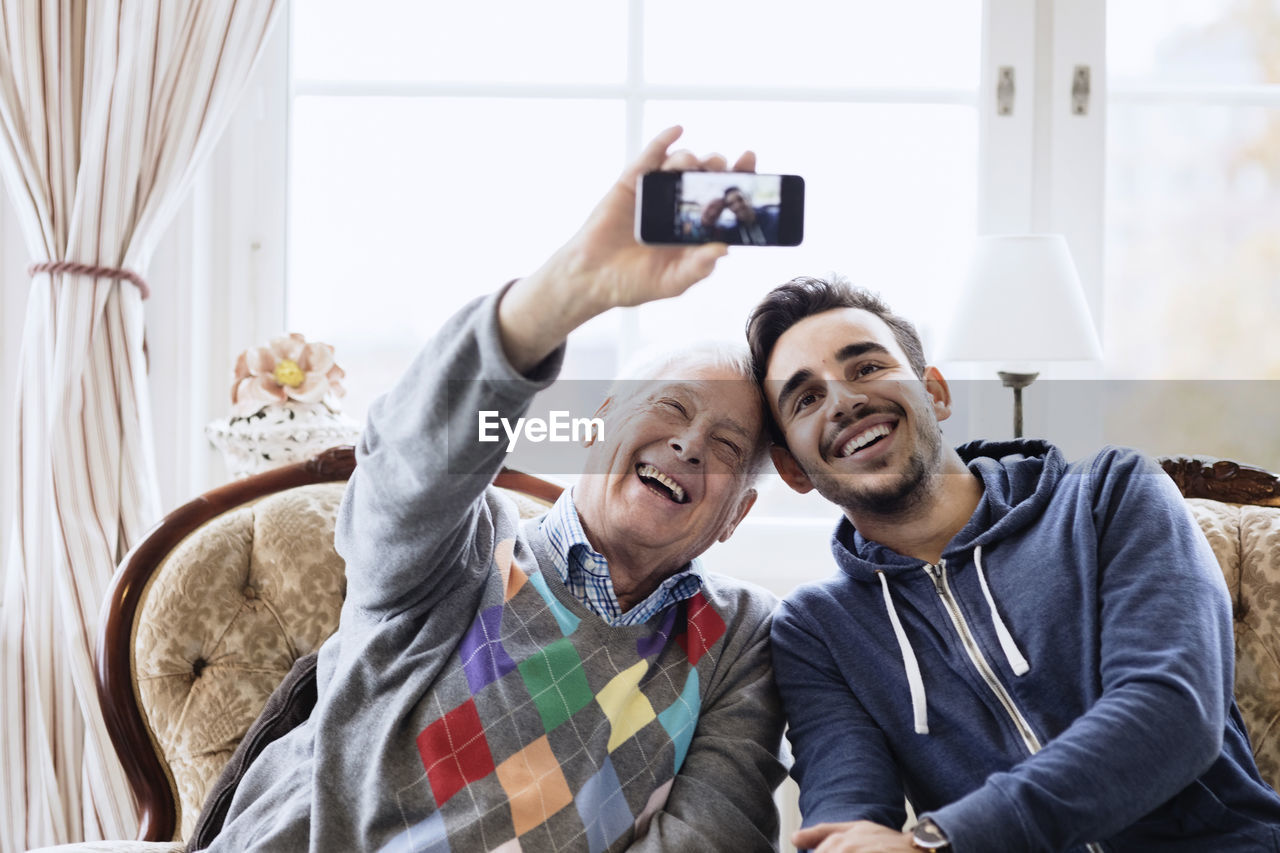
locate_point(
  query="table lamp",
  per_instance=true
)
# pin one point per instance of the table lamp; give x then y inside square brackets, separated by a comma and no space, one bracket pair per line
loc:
[1022,303]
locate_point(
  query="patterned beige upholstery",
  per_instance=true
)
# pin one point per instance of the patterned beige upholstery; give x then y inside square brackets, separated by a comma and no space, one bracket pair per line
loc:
[1246,541]
[225,617]
[227,614]
[248,593]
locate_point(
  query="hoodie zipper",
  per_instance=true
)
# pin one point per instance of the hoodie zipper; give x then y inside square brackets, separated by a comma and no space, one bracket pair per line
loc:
[938,574]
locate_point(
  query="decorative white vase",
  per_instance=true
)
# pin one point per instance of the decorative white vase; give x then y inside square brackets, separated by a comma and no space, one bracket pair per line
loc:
[279,434]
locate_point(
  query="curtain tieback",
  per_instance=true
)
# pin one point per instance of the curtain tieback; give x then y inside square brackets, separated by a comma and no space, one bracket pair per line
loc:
[95,271]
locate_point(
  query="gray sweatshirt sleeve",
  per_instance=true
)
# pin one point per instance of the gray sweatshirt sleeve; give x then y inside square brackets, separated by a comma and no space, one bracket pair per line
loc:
[722,798]
[408,521]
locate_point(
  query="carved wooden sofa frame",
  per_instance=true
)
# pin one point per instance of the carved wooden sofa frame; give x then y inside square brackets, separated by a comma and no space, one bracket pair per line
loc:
[151,779]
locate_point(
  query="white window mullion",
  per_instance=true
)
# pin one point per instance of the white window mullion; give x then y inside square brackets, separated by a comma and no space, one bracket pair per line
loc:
[1042,165]
[635,79]
[237,251]
[1077,153]
[629,322]
[1042,170]
[1006,142]
[634,88]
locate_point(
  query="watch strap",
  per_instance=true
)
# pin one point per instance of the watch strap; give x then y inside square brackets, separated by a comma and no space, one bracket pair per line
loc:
[928,836]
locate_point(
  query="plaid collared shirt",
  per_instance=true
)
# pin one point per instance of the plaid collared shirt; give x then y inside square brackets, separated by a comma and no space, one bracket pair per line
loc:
[585,572]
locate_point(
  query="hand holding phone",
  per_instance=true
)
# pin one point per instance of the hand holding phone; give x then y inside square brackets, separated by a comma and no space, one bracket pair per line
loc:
[601,267]
[738,208]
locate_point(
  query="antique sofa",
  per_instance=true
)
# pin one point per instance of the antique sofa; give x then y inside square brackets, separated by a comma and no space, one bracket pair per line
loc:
[208,614]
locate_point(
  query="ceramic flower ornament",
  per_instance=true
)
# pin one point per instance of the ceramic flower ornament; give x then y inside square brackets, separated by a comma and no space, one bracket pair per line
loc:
[287,368]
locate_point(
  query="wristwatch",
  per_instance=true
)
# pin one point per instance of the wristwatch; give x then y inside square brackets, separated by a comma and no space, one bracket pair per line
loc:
[927,836]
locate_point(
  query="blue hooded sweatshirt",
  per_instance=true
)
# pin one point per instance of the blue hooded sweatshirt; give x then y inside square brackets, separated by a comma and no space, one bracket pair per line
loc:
[1060,680]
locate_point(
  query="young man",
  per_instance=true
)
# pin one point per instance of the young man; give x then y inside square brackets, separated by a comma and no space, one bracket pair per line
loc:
[752,226]
[570,683]
[1038,654]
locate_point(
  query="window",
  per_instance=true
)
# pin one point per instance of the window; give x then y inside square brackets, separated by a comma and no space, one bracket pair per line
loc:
[412,122]
[438,151]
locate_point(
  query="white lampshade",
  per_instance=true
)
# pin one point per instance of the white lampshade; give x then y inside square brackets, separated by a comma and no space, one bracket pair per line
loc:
[1022,302]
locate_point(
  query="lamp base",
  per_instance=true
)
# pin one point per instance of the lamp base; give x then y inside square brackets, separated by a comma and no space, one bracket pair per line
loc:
[1016,381]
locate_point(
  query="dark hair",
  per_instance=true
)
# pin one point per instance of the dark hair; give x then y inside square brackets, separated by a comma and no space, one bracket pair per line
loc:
[805,296]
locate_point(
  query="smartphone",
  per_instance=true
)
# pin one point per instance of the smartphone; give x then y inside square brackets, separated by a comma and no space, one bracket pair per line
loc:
[738,208]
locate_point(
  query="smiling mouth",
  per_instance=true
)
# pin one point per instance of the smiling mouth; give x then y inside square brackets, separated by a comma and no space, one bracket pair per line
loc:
[661,484]
[866,438]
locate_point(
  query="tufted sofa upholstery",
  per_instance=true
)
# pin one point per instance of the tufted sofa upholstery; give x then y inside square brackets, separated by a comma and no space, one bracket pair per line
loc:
[243,582]
[227,614]
[231,606]
[224,619]
[1246,541]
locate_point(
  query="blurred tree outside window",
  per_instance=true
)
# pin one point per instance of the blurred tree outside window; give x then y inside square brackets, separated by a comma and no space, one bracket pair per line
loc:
[1193,224]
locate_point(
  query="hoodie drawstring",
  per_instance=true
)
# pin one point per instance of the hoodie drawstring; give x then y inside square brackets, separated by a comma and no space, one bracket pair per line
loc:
[1017,662]
[919,703]
[919,706]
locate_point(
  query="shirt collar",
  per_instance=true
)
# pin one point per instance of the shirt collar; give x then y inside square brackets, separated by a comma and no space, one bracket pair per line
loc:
[584,571]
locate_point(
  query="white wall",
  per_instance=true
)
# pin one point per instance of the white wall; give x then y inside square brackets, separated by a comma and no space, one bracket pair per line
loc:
[218,280]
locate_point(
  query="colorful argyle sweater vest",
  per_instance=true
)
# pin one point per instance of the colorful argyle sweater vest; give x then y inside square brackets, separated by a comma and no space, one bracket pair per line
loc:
[549,729]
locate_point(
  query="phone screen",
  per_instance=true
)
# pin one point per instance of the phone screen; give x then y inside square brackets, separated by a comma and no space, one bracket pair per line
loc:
[738,208]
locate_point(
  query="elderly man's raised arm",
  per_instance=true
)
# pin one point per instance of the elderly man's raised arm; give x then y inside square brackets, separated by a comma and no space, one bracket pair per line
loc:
[411,510]
[413,507]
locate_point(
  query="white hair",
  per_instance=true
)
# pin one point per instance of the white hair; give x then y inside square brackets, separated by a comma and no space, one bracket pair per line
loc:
[665,362]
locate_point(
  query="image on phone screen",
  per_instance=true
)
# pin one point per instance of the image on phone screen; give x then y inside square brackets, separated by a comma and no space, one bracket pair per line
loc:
[738,208]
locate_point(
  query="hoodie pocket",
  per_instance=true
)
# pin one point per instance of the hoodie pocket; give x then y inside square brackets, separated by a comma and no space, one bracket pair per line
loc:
[1205,814]
[1196,821]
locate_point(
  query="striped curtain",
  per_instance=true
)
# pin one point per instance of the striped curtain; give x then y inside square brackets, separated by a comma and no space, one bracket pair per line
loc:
[107,107]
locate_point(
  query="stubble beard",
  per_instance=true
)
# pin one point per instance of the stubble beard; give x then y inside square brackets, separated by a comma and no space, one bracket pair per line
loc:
[857,494]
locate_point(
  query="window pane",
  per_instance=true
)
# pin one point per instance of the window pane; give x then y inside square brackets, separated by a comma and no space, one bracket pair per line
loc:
[402,210]
[1193,42]
[887,204]
[813,43]
[1193,226]
[561,41]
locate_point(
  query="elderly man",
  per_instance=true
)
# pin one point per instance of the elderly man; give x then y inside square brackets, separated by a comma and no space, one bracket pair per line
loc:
[1038,654]
[570,683]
